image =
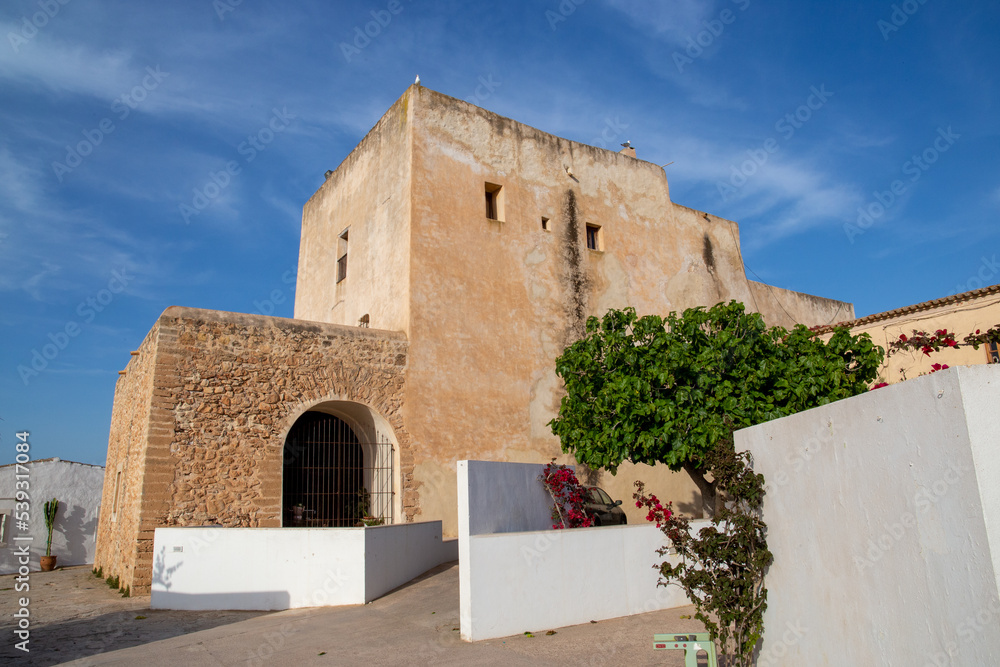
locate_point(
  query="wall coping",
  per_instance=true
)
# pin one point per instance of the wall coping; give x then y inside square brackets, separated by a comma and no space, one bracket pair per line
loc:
[268,321]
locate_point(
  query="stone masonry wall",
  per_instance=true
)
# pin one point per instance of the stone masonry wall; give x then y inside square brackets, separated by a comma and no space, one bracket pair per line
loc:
[227,389]
[118,527]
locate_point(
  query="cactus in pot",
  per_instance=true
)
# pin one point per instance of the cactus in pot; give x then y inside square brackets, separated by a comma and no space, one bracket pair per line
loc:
[48,561]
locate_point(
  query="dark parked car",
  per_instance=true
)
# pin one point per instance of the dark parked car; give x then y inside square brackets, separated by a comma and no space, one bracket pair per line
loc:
[605,512]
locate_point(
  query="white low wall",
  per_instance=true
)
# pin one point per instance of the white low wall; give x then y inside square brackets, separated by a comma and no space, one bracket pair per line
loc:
[512,582]
[498,497]
[77,487]
[883,515]
[283,568]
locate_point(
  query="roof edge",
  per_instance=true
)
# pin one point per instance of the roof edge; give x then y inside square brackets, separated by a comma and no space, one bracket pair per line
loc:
[907,310]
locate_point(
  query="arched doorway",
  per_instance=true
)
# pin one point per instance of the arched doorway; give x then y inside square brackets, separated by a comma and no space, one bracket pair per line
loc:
[331,477]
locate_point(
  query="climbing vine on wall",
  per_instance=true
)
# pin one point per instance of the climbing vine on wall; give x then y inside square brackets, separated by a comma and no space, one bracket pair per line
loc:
[940,339]
[721,569]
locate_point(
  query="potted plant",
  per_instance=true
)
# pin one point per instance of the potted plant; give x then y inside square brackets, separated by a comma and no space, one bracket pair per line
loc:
[363,511]
[48,561]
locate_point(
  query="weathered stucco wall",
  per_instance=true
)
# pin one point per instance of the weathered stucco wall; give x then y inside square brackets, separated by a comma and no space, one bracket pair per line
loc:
[494,302]
[226,389]
[368,198]
[782,307]
[77,487]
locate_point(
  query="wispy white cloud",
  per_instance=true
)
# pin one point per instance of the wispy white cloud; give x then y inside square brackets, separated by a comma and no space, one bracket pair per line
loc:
[48,249]
[788,195]
[169,83]
[61,67]
[672,21]
[18,182]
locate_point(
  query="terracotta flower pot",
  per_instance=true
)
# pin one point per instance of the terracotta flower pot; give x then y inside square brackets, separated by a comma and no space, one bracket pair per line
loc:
[48,563]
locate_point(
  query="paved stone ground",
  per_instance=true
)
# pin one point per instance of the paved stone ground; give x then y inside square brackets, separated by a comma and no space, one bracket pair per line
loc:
[77,619]
[74,614]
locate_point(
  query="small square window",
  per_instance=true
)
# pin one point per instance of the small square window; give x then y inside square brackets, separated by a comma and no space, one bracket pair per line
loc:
[545,223]
[494,202]
[993,353]
[594,240]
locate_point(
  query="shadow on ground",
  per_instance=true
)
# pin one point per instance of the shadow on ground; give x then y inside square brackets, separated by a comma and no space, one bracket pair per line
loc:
[75,615]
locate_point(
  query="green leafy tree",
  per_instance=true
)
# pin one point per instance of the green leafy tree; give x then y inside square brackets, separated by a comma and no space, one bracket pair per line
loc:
[666,390]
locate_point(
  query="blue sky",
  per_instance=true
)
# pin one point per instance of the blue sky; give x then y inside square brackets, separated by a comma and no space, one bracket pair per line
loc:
[157,154]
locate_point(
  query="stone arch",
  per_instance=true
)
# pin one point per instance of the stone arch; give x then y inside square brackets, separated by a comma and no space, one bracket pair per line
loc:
[378,448]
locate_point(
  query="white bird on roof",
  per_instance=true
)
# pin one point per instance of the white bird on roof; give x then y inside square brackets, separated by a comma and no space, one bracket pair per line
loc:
[417,82]
[627,144]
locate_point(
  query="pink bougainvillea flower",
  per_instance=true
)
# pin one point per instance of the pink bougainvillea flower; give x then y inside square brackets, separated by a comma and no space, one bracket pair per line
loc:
[903,337]
[879,386]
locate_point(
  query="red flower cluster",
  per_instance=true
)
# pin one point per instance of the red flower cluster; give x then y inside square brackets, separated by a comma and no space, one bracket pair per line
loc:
[657,512]
[938,367]
[924,341]
[569,495]
[879,386]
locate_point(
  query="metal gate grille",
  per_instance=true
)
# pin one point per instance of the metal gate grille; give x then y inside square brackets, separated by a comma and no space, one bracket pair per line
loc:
[333,479]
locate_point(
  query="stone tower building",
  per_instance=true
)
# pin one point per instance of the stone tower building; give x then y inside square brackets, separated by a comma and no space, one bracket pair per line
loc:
[443,266]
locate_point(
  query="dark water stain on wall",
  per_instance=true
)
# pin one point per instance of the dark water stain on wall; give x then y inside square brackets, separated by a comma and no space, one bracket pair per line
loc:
[708,255]
[574,281]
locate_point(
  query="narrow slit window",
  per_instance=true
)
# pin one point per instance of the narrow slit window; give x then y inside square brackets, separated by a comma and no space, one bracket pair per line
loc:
[494,202]
[342,268]
[342,259]
[594,237]
[545,223]
[118,493]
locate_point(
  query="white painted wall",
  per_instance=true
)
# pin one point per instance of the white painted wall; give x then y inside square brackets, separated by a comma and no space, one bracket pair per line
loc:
[401,552]
[284,568]
[78,487]
[502,497]
[883,515]
[512,582]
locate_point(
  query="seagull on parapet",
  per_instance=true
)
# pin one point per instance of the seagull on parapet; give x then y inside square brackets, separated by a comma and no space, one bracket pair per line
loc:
[627,144]
[417,82]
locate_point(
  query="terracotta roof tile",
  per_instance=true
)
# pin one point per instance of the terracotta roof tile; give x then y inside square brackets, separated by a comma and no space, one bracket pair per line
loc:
[906,310]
